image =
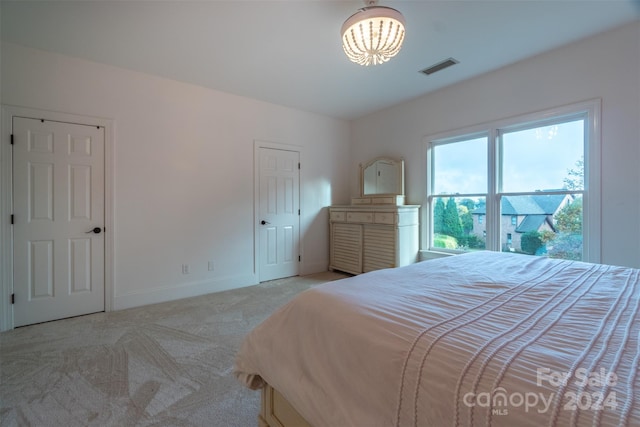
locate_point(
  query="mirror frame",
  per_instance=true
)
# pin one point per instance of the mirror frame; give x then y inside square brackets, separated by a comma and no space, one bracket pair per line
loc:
[399,163]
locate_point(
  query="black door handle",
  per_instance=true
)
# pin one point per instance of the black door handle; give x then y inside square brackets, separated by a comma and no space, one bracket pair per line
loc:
[263,222]
[96,230]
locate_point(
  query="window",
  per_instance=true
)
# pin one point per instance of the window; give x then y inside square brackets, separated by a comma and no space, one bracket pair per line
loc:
[527,185]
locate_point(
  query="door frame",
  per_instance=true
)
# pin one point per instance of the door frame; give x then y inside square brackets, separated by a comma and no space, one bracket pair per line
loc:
[6,198]
[257,145]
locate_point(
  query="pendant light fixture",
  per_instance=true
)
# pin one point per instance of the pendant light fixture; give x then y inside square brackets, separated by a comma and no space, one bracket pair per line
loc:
[373,35]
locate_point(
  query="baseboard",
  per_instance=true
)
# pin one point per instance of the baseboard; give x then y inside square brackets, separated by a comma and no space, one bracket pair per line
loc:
[312,268]
[183,290]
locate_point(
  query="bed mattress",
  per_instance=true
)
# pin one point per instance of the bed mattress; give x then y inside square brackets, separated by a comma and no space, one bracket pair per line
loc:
[478,339]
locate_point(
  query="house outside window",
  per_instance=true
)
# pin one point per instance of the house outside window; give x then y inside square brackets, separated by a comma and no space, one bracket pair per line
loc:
[527,185]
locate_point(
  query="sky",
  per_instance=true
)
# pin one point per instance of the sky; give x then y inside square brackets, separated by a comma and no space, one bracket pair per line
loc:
[533,159]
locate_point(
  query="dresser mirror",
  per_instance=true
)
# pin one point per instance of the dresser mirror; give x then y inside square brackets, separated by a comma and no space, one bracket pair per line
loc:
[382,175]
[381,182]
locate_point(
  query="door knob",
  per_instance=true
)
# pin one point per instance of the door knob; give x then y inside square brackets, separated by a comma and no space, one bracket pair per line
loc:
[96,230]
[263,222]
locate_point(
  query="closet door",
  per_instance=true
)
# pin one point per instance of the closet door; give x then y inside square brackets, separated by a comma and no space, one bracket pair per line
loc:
[58,189]
[278,213]
[346,247]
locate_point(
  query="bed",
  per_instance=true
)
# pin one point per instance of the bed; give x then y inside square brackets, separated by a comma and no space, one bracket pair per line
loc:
[483,338]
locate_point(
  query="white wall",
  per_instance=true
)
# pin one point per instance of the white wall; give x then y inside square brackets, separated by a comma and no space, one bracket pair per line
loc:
[183,161]
[183,170]
[605,66]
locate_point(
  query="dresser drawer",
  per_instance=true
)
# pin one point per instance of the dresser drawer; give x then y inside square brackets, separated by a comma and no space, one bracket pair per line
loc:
[390,200]
[384,218]
[359,217]
[360,200]
[338,216]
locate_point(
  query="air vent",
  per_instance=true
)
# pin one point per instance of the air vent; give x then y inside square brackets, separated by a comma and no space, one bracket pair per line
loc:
[439,66]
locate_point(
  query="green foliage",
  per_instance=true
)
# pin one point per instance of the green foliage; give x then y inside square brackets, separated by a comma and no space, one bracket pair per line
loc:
[531,241]
[466,219]
[566,243]
[575,180]
[443,241]
[566,246]
[438,216]
[569,218]
[472,241]
[451,222]
[470,204]
[546,236]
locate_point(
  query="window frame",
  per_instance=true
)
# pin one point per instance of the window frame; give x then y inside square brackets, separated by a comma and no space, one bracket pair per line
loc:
[589,110]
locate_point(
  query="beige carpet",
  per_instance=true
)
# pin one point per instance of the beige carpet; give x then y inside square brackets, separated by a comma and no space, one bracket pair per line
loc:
[166,364]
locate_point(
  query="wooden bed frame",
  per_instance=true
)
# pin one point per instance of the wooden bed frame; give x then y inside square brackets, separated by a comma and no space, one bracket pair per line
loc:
[276,411]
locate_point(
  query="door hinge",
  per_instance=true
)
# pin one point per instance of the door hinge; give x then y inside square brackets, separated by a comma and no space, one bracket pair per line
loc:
[13,298]
[11,139]
[11,219]
[299,258]
[298,165]
[298,211]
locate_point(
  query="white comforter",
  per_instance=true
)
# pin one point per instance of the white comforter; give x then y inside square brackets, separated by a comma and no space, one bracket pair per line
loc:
[477,339]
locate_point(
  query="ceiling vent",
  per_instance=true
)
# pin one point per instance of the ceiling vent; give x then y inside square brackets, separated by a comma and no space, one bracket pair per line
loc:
[439,66]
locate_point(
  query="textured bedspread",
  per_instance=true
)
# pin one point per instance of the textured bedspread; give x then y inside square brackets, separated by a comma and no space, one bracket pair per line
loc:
[477,339]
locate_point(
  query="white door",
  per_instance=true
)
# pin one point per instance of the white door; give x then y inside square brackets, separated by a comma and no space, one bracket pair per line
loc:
[58,190]
[279,215]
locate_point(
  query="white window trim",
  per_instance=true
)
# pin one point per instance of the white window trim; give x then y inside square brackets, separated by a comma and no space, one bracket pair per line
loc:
[592,209]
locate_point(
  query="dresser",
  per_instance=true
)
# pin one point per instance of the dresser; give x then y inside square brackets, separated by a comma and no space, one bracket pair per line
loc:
[371,237]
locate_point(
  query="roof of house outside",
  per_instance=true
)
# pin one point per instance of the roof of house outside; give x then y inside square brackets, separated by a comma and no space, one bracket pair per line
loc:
[520,205]
[531,223]
[539,204]
[550,203]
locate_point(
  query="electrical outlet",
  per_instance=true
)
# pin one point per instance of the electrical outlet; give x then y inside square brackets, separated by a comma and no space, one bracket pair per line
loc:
[210,266]
[185,268]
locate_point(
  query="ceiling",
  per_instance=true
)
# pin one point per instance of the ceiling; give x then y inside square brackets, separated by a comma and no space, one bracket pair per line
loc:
[289,52]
